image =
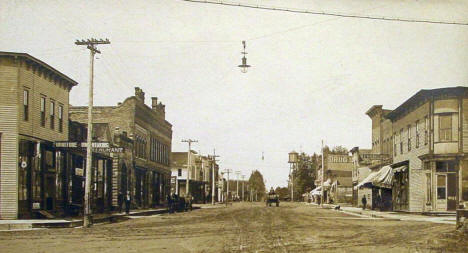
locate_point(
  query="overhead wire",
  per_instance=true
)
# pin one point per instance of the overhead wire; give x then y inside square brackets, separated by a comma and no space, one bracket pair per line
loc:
[323,13]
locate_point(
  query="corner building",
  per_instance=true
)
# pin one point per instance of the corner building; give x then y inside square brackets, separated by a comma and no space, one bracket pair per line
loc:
[430,137]
[34,101]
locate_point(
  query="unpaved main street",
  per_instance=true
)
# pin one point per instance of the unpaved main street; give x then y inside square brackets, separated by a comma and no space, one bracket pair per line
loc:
[244,227]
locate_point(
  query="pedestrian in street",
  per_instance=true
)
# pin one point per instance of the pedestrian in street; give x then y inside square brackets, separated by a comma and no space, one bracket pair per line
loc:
[378,201]
[169,203]
[364,202]
[127,203]
[120,201]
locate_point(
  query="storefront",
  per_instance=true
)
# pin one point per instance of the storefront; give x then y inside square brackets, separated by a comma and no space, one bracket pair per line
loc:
[442,177]
[400,190]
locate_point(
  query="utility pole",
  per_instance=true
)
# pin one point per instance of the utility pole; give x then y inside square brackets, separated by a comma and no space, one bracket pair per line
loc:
[213,162]
[237,181]
[91,45]
[187,186]
[323,187]
[228,171]
[243,180]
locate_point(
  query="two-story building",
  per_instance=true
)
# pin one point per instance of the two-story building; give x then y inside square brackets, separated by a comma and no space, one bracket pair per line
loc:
[144,167]
[430,132]
[198,174]
[34,101]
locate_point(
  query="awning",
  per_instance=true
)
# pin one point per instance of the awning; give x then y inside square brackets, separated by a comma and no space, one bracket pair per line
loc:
[382,178]
[316,191]
[400,169]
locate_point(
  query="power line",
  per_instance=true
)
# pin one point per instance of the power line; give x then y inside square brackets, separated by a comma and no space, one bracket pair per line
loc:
[323,13]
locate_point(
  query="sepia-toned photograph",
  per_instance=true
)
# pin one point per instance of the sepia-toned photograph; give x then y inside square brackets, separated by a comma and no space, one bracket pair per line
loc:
[246,126]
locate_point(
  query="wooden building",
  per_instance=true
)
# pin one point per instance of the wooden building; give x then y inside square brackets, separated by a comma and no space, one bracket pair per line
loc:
[34,101]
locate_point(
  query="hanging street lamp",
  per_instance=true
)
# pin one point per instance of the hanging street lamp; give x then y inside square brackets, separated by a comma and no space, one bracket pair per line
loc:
[244,67]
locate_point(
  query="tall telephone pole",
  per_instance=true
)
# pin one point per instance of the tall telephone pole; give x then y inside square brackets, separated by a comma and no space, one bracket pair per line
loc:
[213,163]
[323,187]
[243,180]
[189,141]
[91,45]
[237,182]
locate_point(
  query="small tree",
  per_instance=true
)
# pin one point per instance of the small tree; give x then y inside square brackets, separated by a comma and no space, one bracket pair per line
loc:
[256,185]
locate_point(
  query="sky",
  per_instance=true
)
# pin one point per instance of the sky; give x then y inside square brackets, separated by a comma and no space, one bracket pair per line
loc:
[313,77]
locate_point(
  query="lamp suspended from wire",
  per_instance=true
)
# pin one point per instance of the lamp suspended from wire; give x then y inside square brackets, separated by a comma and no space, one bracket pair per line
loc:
[244,67]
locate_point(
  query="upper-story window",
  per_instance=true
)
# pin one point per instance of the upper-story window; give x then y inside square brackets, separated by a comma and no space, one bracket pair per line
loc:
[401,141]
[445,127]
[60,118]
[26,105]
[426,130]
[409,137]
[395,150]
[52,115]
[43,108]
[179,172]
[417,133]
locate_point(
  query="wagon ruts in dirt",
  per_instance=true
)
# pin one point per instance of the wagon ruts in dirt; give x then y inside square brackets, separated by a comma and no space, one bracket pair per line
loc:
[272,198]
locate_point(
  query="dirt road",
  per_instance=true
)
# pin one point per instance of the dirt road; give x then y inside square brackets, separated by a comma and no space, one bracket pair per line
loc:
[244,228]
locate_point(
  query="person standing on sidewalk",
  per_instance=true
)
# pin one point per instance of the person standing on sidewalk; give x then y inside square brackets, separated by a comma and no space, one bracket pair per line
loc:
[364,202]
[127,202]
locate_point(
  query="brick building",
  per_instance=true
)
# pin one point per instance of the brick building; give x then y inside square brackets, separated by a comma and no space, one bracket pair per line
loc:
[144,167]
[34,101]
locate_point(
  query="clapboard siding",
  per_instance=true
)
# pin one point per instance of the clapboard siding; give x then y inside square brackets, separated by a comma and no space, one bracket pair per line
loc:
[44,87]
[465,125]
[9,141]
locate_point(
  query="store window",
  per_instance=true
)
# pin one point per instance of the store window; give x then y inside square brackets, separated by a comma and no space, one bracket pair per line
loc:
[445,166]
[464,180]
[445,127]
[428,188]
[441,186]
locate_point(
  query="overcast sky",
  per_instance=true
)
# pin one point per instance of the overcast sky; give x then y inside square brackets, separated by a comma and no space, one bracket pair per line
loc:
[312,77]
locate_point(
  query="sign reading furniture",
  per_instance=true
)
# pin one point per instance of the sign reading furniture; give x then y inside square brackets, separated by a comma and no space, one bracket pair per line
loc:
[96,146]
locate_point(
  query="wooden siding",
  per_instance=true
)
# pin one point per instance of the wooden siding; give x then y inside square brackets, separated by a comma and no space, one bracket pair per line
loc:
[9,142]
[39,86]
[465,125]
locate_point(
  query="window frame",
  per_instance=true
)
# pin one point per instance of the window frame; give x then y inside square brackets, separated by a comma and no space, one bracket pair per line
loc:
[52,114]
[408,137]
[26,104]
[60,118]
[445,134]
[43,111]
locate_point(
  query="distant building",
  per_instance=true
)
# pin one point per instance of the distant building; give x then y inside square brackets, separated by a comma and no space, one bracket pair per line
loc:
[338,169]
[201,175]
[34,99]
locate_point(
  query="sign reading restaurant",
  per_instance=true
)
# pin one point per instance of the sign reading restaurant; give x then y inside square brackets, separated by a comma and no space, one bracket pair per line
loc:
[97,146]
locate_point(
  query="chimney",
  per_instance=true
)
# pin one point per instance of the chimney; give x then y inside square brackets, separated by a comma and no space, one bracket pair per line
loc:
[154,103]
[139,94]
